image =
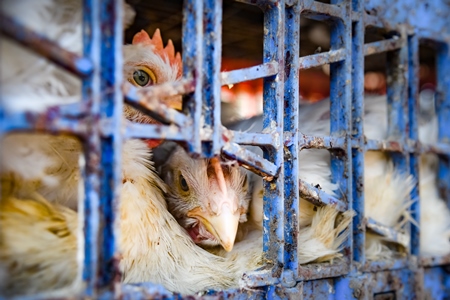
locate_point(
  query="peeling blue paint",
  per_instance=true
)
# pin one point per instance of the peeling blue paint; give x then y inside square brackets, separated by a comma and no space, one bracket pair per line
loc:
[97,121]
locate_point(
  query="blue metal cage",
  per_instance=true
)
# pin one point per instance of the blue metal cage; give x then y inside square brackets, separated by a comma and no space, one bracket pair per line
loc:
[96,120]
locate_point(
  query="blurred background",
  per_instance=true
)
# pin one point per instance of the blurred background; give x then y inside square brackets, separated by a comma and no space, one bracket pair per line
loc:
[242,40]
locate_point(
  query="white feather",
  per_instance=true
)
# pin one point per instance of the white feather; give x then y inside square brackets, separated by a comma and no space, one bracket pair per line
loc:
[434,213]
[163,253]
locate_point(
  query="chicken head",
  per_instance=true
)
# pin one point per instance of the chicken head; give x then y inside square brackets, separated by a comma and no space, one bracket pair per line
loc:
[148,62]
[207,197]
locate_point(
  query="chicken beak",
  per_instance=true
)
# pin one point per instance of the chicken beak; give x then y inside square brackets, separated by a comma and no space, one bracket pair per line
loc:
[223,226]
[175,102]
[221,218]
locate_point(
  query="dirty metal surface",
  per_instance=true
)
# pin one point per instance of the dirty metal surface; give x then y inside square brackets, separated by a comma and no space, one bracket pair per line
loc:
[247,138]
[245,74]
[383,46]
[413,134]
[78,65]
[252,161]
[436,283]
[426,18]
[394,263]
[281,63]
[443,111]
[291,150]
[192,56]
[274,211]
[110,106]
[92,151]
[432,261]
[394,235]
[151,100]
[314,142]
[359,230]
[98,121]
[319,59]
[318,197]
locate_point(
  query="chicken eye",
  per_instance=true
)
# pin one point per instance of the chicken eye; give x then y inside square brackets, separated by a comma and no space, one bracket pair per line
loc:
[144,77]
[183,184]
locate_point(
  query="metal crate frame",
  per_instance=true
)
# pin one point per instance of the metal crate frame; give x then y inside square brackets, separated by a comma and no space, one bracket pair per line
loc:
[96,120]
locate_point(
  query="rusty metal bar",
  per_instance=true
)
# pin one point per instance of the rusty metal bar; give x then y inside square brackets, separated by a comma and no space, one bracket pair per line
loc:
[250,138]
[52,120]
[443,112]
[291,125]
[410,146]
[260,3]
[327,142]
[251,160]
[318,197]
[161,91]
[341,111]
[387,265]
[92,149]
[155,131]
[320,59]
[383,46]
[397,100]
[212,50]
[440,148]
[111,106]
[251,73]
[192,55]
[259,279]
[433,261]
[273,98]
[326,10]
[370,20]
[78,65]
[389,233]
[414,158]
[358,151]
[390,146]
[147,101]
[318,271]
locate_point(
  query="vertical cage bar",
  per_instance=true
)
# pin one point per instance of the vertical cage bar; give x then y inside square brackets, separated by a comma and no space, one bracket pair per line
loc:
[340,97]
[397,80]
[111,146]
[359,230]
[291,102]
[92,151]
[414,158]
[273,94]
[443,108]
[340,106]
[192,67]
[212,45]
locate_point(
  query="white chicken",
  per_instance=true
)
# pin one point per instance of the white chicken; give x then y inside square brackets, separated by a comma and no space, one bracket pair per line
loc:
[207,198]
[434,213]
[387,190]
[195,189]
[39,238]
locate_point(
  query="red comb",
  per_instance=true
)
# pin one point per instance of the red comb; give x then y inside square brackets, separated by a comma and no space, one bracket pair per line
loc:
[142,37]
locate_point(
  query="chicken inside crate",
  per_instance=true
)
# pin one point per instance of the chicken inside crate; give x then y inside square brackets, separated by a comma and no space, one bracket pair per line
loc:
[274,161]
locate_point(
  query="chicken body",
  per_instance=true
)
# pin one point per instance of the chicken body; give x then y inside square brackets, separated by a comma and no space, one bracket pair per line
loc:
[319,238]
[153,246]
[434,212]
[387,190]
